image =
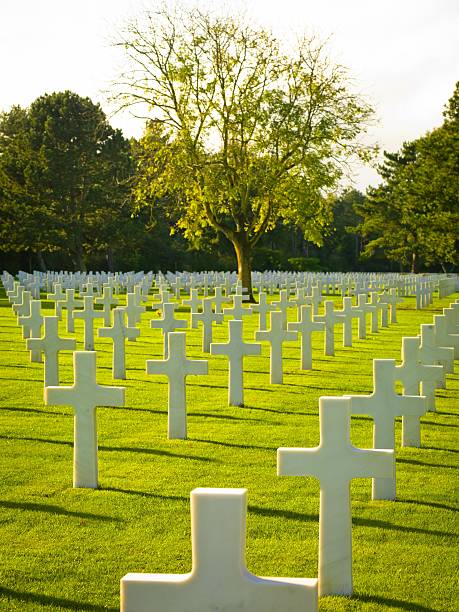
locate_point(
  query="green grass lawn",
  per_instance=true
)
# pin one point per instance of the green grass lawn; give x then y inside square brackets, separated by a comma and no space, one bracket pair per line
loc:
[66,549]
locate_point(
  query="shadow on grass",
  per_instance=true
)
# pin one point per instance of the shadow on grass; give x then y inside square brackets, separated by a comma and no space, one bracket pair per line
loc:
[36,410]
[146,494]
[428,504]
[47,600]
[118,449]
[394,603]
[437,424]
[356,521]
[234,445]
[427,464]
[280,412]
[229,417]
[443,450]
[34,507]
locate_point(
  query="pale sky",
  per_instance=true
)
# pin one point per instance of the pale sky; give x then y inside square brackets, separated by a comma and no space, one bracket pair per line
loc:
[403,54]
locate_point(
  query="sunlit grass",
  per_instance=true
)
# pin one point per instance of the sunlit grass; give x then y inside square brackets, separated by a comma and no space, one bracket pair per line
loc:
[66,549]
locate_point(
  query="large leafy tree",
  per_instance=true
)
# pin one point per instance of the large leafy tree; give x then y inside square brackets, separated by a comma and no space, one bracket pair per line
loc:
[63,178]
[413,215]
[242,133]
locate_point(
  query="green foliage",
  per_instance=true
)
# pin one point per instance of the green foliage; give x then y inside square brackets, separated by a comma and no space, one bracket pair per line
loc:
[413,216]
[64,176]
[243,133]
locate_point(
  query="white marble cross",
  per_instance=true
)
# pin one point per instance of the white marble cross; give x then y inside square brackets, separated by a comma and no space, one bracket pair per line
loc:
[107,300]
[235,349]
[237,311]
[88,315]
[431,353]
[384,404]
[57,294]
[365,307]
[392,299]
[442,335]
[84,396]
[167,323]
[219,579]
[305,327]
[119,332]
[284,304]
[263,308]
[335,462]
[380,306]
[195,304]
[70,303]
[315,299]
[133,310]
[50,344]
[22,308]
[276,336]
[415,376]
[207,317]
[348,313]
[177,367]
[330,318]
[219,299]
[32,321]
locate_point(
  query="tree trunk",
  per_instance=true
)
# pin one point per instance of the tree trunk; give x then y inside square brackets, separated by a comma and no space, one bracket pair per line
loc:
[244,263]
[79,262]
[41,261]
[110,260]
[414,263]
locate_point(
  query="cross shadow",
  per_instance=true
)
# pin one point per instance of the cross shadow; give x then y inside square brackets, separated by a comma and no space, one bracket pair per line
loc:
[437,424]
[427,464]
[394,603]
[356,521]
[428,504]
[280,412]
[234,445]
[13,409]
[437,448]
[146,494]
[228,417]
[52,509]
[57,602]
[155,451]
[132,409]
[120,449]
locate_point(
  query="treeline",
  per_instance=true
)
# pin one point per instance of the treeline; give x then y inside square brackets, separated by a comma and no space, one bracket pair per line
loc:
[69,199]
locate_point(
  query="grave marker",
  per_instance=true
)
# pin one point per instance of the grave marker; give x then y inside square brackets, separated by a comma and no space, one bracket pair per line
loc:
[50,344]
[119,332]
[384,404]
[276,336]
[84,396]
[335,462]
[235,349]
[177,367]
[219,579]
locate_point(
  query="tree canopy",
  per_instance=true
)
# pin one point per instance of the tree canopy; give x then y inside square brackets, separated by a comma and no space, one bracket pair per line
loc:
[63,178]
[242,132]
[413,215]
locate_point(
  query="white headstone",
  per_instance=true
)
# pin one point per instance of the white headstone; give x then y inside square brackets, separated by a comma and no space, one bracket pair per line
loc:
[335,462]
[119,332]
[305,327]
[167,323]
[276,336]
[177,367]
[88,315]
[207,317]
[384,404]
[219,579]
[50,344]
[235,349]
[84,396]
